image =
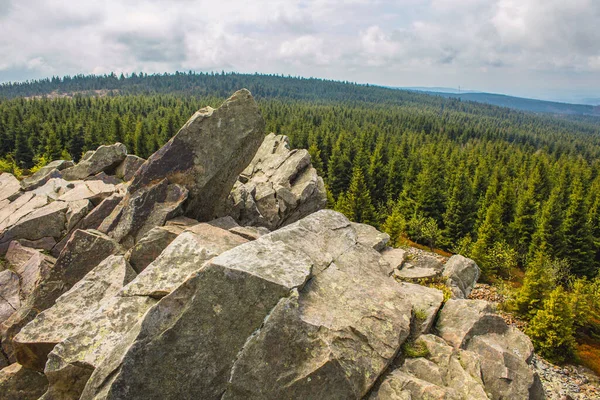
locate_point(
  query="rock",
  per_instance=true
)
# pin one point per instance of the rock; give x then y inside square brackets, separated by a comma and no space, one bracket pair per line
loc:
[149,247]
[105,158]
[401,385]
[188,252]
[419,265]
[9,186]
[182,221]
[46,243]
[504,365]
[47,172]
[40,178]
[46,221]
[460,320]
[18,209]
[319,311]
[207,154]
[394,257]
[9,294]
[426,303]
[94,191]
[54,188]
[249,232]
[92,220]
[19,383]
[76,211]
[129,167]
[29,264]
[18,254]
[371,237]
[462,274]
[278,187]
[62,320]
[73,360]
[226,222]
[143,210]
[104,178]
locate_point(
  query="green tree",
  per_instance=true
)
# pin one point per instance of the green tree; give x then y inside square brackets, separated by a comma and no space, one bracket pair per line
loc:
[552,329]
[23,153]
[577,232]
[356,202]
[459,215]
[488,234]
[53,147]
[538,282]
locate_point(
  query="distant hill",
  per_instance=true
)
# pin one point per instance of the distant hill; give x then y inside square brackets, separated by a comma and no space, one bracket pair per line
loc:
[517,103]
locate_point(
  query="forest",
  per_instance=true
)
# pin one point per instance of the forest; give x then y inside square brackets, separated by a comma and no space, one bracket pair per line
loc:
[517,192]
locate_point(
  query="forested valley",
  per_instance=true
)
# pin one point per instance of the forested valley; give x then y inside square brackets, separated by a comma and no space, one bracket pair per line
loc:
[519,193]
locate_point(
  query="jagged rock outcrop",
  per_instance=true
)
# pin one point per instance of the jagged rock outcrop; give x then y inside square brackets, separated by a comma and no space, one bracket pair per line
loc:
[105,158]
[207,155]
[272,300]
[279,187]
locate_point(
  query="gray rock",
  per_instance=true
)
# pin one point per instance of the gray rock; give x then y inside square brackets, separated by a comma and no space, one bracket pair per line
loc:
[46,243]
[394,257]
[419,265]
[54,188]
[149,247]
[103,177]
[63,320]
[249,232]
[460,320]
[371,237]
[462,274]
[226,222]
[18,383]
[402,385]
[9,294]
[73,360]
[18,209]
[105,158]
[142,210]
[278,187]
[207,154]
[44,174]
[45,221]
[129,167]
[95,191]
[9,186]
[426,302]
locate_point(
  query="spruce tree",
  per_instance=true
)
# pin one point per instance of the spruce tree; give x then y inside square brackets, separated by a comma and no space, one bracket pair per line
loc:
[538,282]
[459,215]
[77,143]
[488,233]
[578,248]
[339,170]
[53,147]
[552,329]
[548,236]
[522,227]
[23,153]
[356,202]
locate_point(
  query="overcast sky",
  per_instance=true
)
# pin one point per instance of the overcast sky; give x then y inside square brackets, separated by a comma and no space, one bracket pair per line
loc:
[536,48]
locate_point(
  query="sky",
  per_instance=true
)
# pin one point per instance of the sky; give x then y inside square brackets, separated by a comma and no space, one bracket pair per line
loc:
[548,49]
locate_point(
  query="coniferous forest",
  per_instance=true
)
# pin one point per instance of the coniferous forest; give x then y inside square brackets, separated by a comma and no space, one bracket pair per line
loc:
[517,192]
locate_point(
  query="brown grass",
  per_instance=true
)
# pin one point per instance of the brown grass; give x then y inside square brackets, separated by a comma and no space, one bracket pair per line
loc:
[588,353]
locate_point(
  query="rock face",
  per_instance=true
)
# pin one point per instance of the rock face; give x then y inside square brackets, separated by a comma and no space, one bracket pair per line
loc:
[333,329]
[105,158]
[129,167]
[279,187]
[18,383]
[44,174]
[9,186]
[462,274]
[207,154]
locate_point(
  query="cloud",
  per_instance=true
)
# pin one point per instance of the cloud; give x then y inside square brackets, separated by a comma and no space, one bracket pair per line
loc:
[502,45]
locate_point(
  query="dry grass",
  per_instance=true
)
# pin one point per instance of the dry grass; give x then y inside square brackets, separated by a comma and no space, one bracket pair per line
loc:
[588,354]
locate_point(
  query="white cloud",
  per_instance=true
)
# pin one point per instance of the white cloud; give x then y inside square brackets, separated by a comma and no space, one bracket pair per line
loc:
[502,45]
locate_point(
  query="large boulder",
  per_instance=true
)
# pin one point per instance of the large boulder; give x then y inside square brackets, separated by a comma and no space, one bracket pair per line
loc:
[105,158]
[462,274]
[149,247]
[278,187]
[9,294]
[18,383]
[318,319]
[62,320]
[72,361]
[44,174]
[207,154]
[12,212]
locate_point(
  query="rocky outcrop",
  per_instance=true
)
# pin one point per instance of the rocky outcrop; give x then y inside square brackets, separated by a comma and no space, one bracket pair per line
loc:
[279,187]
[207,154]
[105,158]
[273,300]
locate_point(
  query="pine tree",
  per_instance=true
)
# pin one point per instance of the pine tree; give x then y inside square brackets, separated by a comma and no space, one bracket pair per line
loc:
[538,282]
[429,191]
[315,158]
[552,330]
[488,234]
[548,236]
[339,169]
[577,233]
[459,215]
[23,153]
[395,225]
[53,147]
[522,227]
[77,143]
[356,202]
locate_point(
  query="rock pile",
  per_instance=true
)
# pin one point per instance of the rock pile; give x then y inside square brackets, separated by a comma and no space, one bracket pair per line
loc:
[169,279]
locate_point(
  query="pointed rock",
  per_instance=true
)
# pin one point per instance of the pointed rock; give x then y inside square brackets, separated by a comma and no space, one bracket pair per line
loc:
[9,186]
[129,167]
[207,154]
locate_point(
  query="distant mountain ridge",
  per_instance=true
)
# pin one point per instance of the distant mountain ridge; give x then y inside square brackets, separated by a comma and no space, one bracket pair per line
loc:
[517,103]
